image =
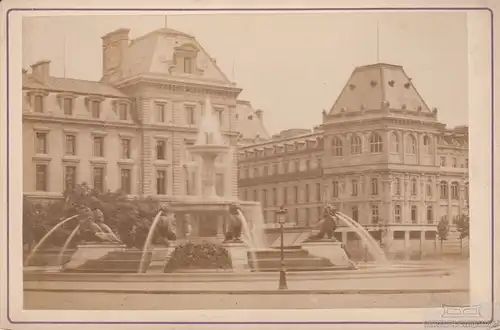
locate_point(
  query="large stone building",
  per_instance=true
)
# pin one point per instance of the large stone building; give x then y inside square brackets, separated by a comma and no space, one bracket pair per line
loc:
[130,130]
[380,156]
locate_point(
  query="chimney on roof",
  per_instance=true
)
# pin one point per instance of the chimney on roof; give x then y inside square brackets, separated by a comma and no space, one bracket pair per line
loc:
[41,70]
[259,114]
[114,46]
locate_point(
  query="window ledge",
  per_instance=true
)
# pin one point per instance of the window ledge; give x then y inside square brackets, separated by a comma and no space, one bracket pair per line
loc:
[162,162]
[42,157]
[71,159]
[125,162]
[98,160]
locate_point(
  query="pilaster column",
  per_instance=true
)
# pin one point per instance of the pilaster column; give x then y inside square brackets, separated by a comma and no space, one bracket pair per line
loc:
[449,203]
[407,244]
[422,243]
[422,192]
[406,204]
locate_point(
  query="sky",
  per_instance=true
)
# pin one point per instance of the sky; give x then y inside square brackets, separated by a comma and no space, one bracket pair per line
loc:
[292,66]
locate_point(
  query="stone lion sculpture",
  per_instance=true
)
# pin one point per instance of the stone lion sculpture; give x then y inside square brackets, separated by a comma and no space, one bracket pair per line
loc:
[233,233]
[327,225]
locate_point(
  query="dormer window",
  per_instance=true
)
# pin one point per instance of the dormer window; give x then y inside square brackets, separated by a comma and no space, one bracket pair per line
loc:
[122,112]
[68,106]
[93,104]
[95,109]
[188,65]
[38,103]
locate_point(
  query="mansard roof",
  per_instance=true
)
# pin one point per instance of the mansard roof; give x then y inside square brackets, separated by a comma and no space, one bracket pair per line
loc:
[250,123]
[154,53]
[370,87]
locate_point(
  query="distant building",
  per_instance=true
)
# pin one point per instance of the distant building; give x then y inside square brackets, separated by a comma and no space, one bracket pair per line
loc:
[130,130]
[380,156]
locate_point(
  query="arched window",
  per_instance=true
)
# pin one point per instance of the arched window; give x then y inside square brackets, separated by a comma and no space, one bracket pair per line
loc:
[427,145]
[411,145]
[397,213]
[414,187]
[444,189]
[454,190]
[375,143]
[337,146]
[430,218]
[394,143]
[355,145]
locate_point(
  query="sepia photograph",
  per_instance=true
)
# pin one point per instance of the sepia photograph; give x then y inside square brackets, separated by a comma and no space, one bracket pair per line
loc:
[183,161]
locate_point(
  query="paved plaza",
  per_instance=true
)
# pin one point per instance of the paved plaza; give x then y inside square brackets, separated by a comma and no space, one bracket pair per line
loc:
[410,291]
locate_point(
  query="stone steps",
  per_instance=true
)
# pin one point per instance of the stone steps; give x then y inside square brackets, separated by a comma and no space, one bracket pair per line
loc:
[113,262]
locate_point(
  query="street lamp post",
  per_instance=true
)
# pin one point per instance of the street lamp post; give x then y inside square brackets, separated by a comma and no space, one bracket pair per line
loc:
[281,215]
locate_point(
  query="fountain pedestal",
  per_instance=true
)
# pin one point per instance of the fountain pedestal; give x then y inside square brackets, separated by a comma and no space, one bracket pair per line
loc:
[328,249]
[88,252]
[238,252]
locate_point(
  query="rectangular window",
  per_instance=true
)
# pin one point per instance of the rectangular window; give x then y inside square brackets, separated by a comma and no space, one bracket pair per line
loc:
[220,116]
[266,171]
[375,218]
[397,213]
[219,184]
[98,146]
[307,194]
[355,213]
[430,218]
[297,166]
[354,187]
[285,167]
[255,195]
[264,197]
[275,169]
[160,113]
[69,178]
[38,100]
[160,150]
[397,186]
[188,65]
[275,197]
[122,111]
[414,214]
[318,192]
[296,195]
[98,176]
[126,180]
[70,145]
[443,161]
[374,186]
[161,177]
[335,189]
[68,106]
[95,108]
[429,190]
[285,195]
[454,164]
[190,114]
[41,177]
[466,162]
[125,148]
[41,143]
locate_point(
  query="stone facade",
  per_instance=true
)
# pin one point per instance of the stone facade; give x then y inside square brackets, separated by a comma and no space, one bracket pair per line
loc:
[380,156]
[130,130]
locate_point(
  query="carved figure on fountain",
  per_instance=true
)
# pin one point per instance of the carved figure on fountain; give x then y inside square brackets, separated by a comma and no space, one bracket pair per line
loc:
[327,226]
[93,229]
[166,230]
[233,233]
